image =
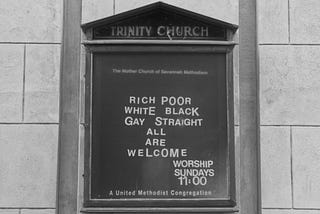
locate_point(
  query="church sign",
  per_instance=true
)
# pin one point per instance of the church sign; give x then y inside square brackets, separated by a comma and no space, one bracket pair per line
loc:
[159,118]
[158,31]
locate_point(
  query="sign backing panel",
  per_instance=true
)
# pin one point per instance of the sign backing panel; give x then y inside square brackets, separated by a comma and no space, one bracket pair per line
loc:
[159,127]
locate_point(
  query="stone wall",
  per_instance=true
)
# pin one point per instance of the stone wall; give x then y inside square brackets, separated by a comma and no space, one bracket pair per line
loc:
[30,39]
[289,45]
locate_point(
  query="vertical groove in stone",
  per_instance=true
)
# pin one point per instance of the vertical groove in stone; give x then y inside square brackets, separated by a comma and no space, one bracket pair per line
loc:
[291,167]
[289,39]
[24,81]
[250,194]
[67,176]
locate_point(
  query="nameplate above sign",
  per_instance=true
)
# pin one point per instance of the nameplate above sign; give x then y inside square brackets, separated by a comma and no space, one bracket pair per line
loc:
[159,21]
[159,31]
[159,25]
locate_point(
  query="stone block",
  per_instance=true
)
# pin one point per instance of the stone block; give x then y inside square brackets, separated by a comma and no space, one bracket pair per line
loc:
[276,211]
[304,21]
[225,10]
[9,211]
[306,167]
[306,212]
[42,83]
[273,21]
[96,9]
[11,82]
[289,85]
[38,211]
[31,21]
[275,167]
[28,165]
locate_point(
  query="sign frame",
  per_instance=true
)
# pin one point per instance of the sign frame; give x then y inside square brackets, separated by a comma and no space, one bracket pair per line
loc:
[166,204]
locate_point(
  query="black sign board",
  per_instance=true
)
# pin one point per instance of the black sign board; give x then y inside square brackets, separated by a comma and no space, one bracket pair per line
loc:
[159,127]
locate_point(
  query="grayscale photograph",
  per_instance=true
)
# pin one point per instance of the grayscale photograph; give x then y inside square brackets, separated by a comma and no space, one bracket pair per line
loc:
[171,106]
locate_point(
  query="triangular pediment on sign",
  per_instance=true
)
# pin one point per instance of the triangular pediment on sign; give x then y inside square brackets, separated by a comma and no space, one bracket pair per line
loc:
[159,21]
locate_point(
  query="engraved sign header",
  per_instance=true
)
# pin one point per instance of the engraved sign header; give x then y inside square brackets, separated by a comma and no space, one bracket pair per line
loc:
[159,21]
[159,31]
